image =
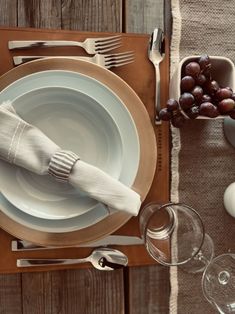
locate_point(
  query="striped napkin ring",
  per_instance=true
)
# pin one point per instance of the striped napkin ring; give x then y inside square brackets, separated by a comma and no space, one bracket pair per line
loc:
[61,165]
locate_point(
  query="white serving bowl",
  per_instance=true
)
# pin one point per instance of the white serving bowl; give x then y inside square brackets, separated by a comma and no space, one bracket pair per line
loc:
[223,72]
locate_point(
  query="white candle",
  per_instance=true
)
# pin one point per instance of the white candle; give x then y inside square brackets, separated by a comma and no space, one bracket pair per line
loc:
[229,199]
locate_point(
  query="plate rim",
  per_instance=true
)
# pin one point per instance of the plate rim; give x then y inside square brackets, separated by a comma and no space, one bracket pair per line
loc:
[73,75]
[148,151]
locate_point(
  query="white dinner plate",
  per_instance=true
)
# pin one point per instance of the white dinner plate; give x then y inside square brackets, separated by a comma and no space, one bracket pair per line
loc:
[75,122]
[119,113]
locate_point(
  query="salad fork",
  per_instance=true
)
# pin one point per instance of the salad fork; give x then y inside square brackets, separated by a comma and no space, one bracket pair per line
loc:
[90,45]
[107,60]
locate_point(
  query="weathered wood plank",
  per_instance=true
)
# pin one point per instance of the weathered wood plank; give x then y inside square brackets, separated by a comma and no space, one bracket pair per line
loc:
[36,293]
[39,13]
[10,294]
[8,12]
[149,287]
[149,290]
[142,16]
[73,291]
[92,15]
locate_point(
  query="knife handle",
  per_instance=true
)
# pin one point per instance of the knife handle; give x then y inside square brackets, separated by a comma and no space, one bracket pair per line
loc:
[22,245]
[49,262]
[18,44]
[17,60]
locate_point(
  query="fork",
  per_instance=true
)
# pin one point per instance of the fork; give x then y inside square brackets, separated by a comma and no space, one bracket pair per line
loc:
[90,45]
[108,60]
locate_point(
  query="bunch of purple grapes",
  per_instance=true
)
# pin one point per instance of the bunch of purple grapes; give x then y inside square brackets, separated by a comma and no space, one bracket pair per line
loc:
[200,95]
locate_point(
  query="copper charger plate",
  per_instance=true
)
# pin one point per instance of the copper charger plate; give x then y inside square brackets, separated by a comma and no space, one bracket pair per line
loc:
[148,151]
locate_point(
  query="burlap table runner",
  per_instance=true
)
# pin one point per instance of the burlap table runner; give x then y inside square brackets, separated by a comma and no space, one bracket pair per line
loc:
[203,162]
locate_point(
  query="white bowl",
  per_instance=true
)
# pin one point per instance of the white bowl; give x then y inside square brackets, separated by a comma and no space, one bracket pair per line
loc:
[100,132]
[222,71]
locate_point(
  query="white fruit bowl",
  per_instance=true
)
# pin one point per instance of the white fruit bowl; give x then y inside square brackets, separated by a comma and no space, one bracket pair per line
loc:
[223,72]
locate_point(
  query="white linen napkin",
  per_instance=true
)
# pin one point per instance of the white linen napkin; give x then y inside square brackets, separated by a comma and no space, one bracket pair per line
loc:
[26,146]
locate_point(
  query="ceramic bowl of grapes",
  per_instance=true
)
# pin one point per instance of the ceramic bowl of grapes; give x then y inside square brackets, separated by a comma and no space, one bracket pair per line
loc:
[202,87]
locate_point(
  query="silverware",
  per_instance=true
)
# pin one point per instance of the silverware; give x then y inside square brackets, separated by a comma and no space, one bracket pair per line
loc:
[90,45]
[156,53]
[108,60]
[101,258]
[21,245]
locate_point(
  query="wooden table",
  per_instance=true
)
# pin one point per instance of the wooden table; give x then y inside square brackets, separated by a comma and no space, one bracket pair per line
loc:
[134,290]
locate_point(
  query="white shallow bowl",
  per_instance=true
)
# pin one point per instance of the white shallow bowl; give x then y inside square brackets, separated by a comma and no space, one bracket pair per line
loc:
[117,110]
[75,122]
[223,72]
[53,226]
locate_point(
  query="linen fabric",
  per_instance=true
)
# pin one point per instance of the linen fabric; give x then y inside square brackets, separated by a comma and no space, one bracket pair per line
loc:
[203,161]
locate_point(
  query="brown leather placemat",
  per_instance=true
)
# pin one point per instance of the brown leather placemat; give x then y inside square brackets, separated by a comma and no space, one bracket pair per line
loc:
[140,76]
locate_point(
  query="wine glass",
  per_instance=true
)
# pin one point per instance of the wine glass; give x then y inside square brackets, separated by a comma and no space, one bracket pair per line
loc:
[174,235]
[218,283]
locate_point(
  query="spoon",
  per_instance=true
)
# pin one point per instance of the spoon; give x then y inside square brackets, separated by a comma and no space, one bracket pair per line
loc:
[100,258]
[156,53]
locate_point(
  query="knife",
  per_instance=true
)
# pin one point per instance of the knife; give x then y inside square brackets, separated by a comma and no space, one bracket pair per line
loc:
[22,245]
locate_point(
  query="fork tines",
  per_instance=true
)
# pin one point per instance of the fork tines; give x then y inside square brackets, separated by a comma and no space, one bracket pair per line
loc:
[107,43]
[119,59]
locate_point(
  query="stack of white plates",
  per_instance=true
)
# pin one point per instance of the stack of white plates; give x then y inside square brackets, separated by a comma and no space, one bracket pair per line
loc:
[86,109]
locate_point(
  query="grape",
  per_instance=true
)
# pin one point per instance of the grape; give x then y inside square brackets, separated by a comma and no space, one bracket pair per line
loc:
[186,101]
[205,65]
[193,112]
[178,120]
[200,95]
[207,73]
[197,93]
[224,93]
[226,105]
[187,83]
[208,109]
[206,98]
[204,62]
[164,114]
[201,79]
[212,87]
[192,69]
[172,105]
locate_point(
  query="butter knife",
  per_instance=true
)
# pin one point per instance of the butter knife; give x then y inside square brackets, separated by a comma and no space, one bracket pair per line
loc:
[22,245]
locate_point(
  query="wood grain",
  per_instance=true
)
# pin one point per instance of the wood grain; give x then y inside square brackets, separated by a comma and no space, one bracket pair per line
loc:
[142,16]
[10,294]
[39,13]
[8,12]
[152,298]
[36,293]
[73,291]
[92,15]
